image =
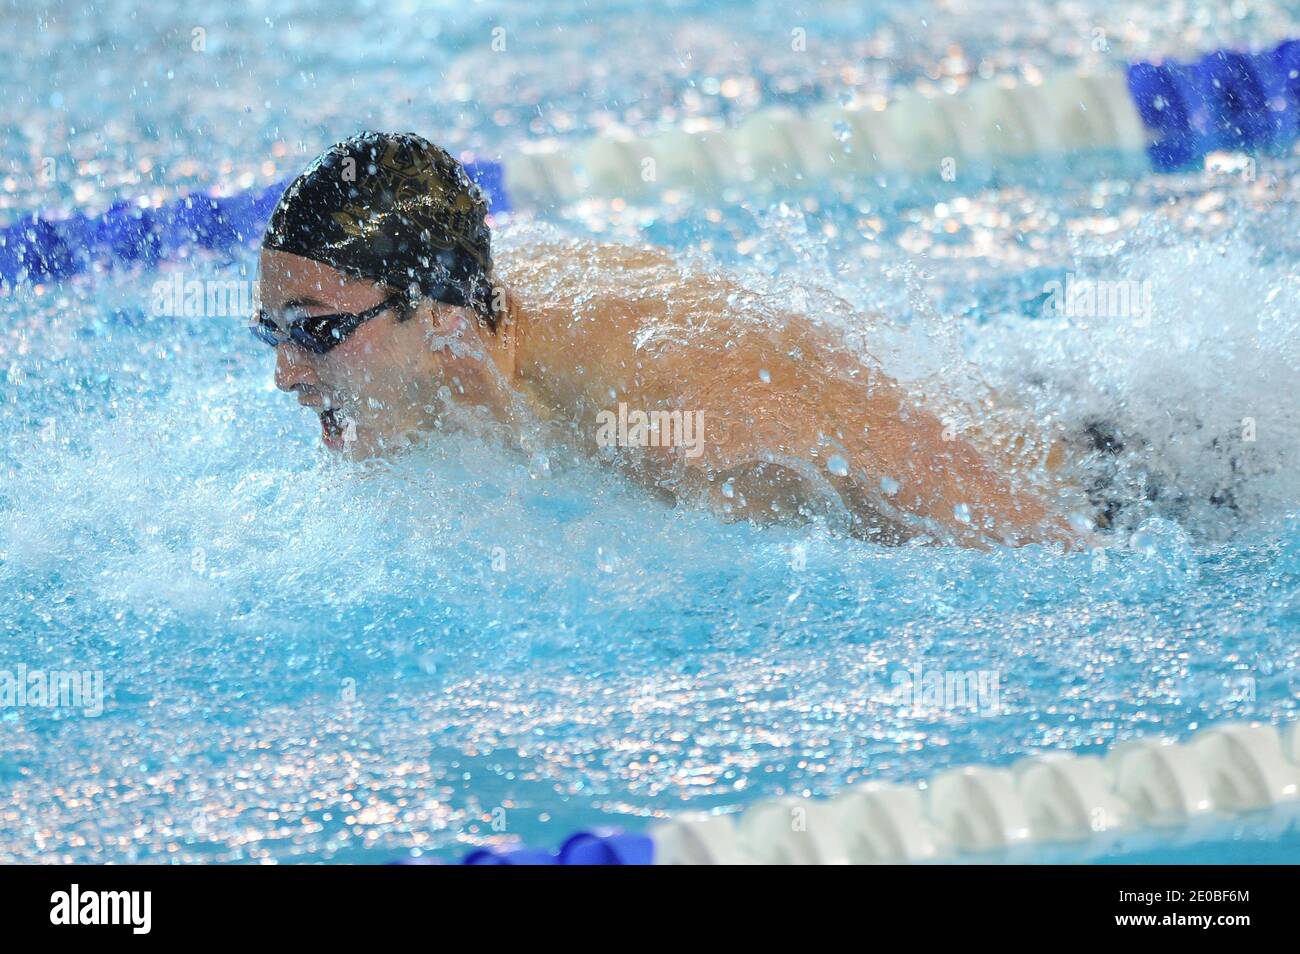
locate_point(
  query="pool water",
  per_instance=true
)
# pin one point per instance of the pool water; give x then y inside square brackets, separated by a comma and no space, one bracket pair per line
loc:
[310,660]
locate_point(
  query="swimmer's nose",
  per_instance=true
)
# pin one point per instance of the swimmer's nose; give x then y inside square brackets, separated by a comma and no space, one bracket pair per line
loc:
[292,368]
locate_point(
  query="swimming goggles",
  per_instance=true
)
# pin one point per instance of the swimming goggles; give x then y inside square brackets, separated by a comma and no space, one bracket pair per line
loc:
[316,333]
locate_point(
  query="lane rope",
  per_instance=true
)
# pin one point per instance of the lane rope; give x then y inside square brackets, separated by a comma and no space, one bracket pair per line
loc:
[1175,112]
[1154,785]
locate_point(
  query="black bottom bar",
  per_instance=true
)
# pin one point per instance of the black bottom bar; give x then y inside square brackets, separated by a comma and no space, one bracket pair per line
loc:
[613,906]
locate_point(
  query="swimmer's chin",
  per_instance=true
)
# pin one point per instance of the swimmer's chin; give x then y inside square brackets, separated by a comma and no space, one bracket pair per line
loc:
[361,445]
[353,450]
[342,436]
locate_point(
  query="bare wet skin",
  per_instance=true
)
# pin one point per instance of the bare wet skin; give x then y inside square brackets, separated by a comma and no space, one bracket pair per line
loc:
[791,424]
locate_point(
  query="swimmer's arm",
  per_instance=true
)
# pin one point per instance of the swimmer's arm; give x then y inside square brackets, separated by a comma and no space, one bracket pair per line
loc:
[897,454]
[942,477]
[812,390]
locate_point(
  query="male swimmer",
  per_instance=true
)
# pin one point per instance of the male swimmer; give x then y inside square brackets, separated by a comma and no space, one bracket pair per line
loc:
[379,292]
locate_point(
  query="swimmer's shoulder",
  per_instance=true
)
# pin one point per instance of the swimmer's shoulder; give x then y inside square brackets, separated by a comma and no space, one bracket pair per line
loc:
[569,262]
[580,287]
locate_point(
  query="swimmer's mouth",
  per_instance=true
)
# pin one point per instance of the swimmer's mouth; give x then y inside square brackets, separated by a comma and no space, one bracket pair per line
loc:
[332,429]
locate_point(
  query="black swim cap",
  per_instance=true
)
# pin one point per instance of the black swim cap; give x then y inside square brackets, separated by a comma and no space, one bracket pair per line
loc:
[395,209]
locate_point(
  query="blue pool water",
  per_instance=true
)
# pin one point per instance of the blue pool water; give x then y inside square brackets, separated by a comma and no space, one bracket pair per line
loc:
[309,660]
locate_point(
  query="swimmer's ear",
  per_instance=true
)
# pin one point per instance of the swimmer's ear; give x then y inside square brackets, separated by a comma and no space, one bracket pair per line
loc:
[502,305]
[413,303]
[443,319]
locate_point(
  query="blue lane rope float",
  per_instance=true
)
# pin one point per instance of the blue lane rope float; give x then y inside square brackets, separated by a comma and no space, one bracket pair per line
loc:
[1176,112]
[38,249]
[601,846]
[604,846]
[1226,100]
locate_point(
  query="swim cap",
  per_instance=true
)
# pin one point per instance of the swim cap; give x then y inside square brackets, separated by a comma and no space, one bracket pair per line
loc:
[395,209]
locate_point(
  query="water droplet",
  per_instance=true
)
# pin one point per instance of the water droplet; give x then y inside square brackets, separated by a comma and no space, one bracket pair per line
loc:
[765,375]
[838,466]
[539,467]
[962,513]
[890,486]
[1080,522]
[728,490]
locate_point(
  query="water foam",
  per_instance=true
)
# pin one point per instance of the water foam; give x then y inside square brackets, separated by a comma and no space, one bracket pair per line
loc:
[1198,394]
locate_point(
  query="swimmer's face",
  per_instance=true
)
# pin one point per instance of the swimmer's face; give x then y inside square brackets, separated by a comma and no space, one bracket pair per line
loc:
[388,380]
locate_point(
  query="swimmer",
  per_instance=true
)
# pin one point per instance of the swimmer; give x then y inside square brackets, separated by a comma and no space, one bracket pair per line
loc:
[379,292]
